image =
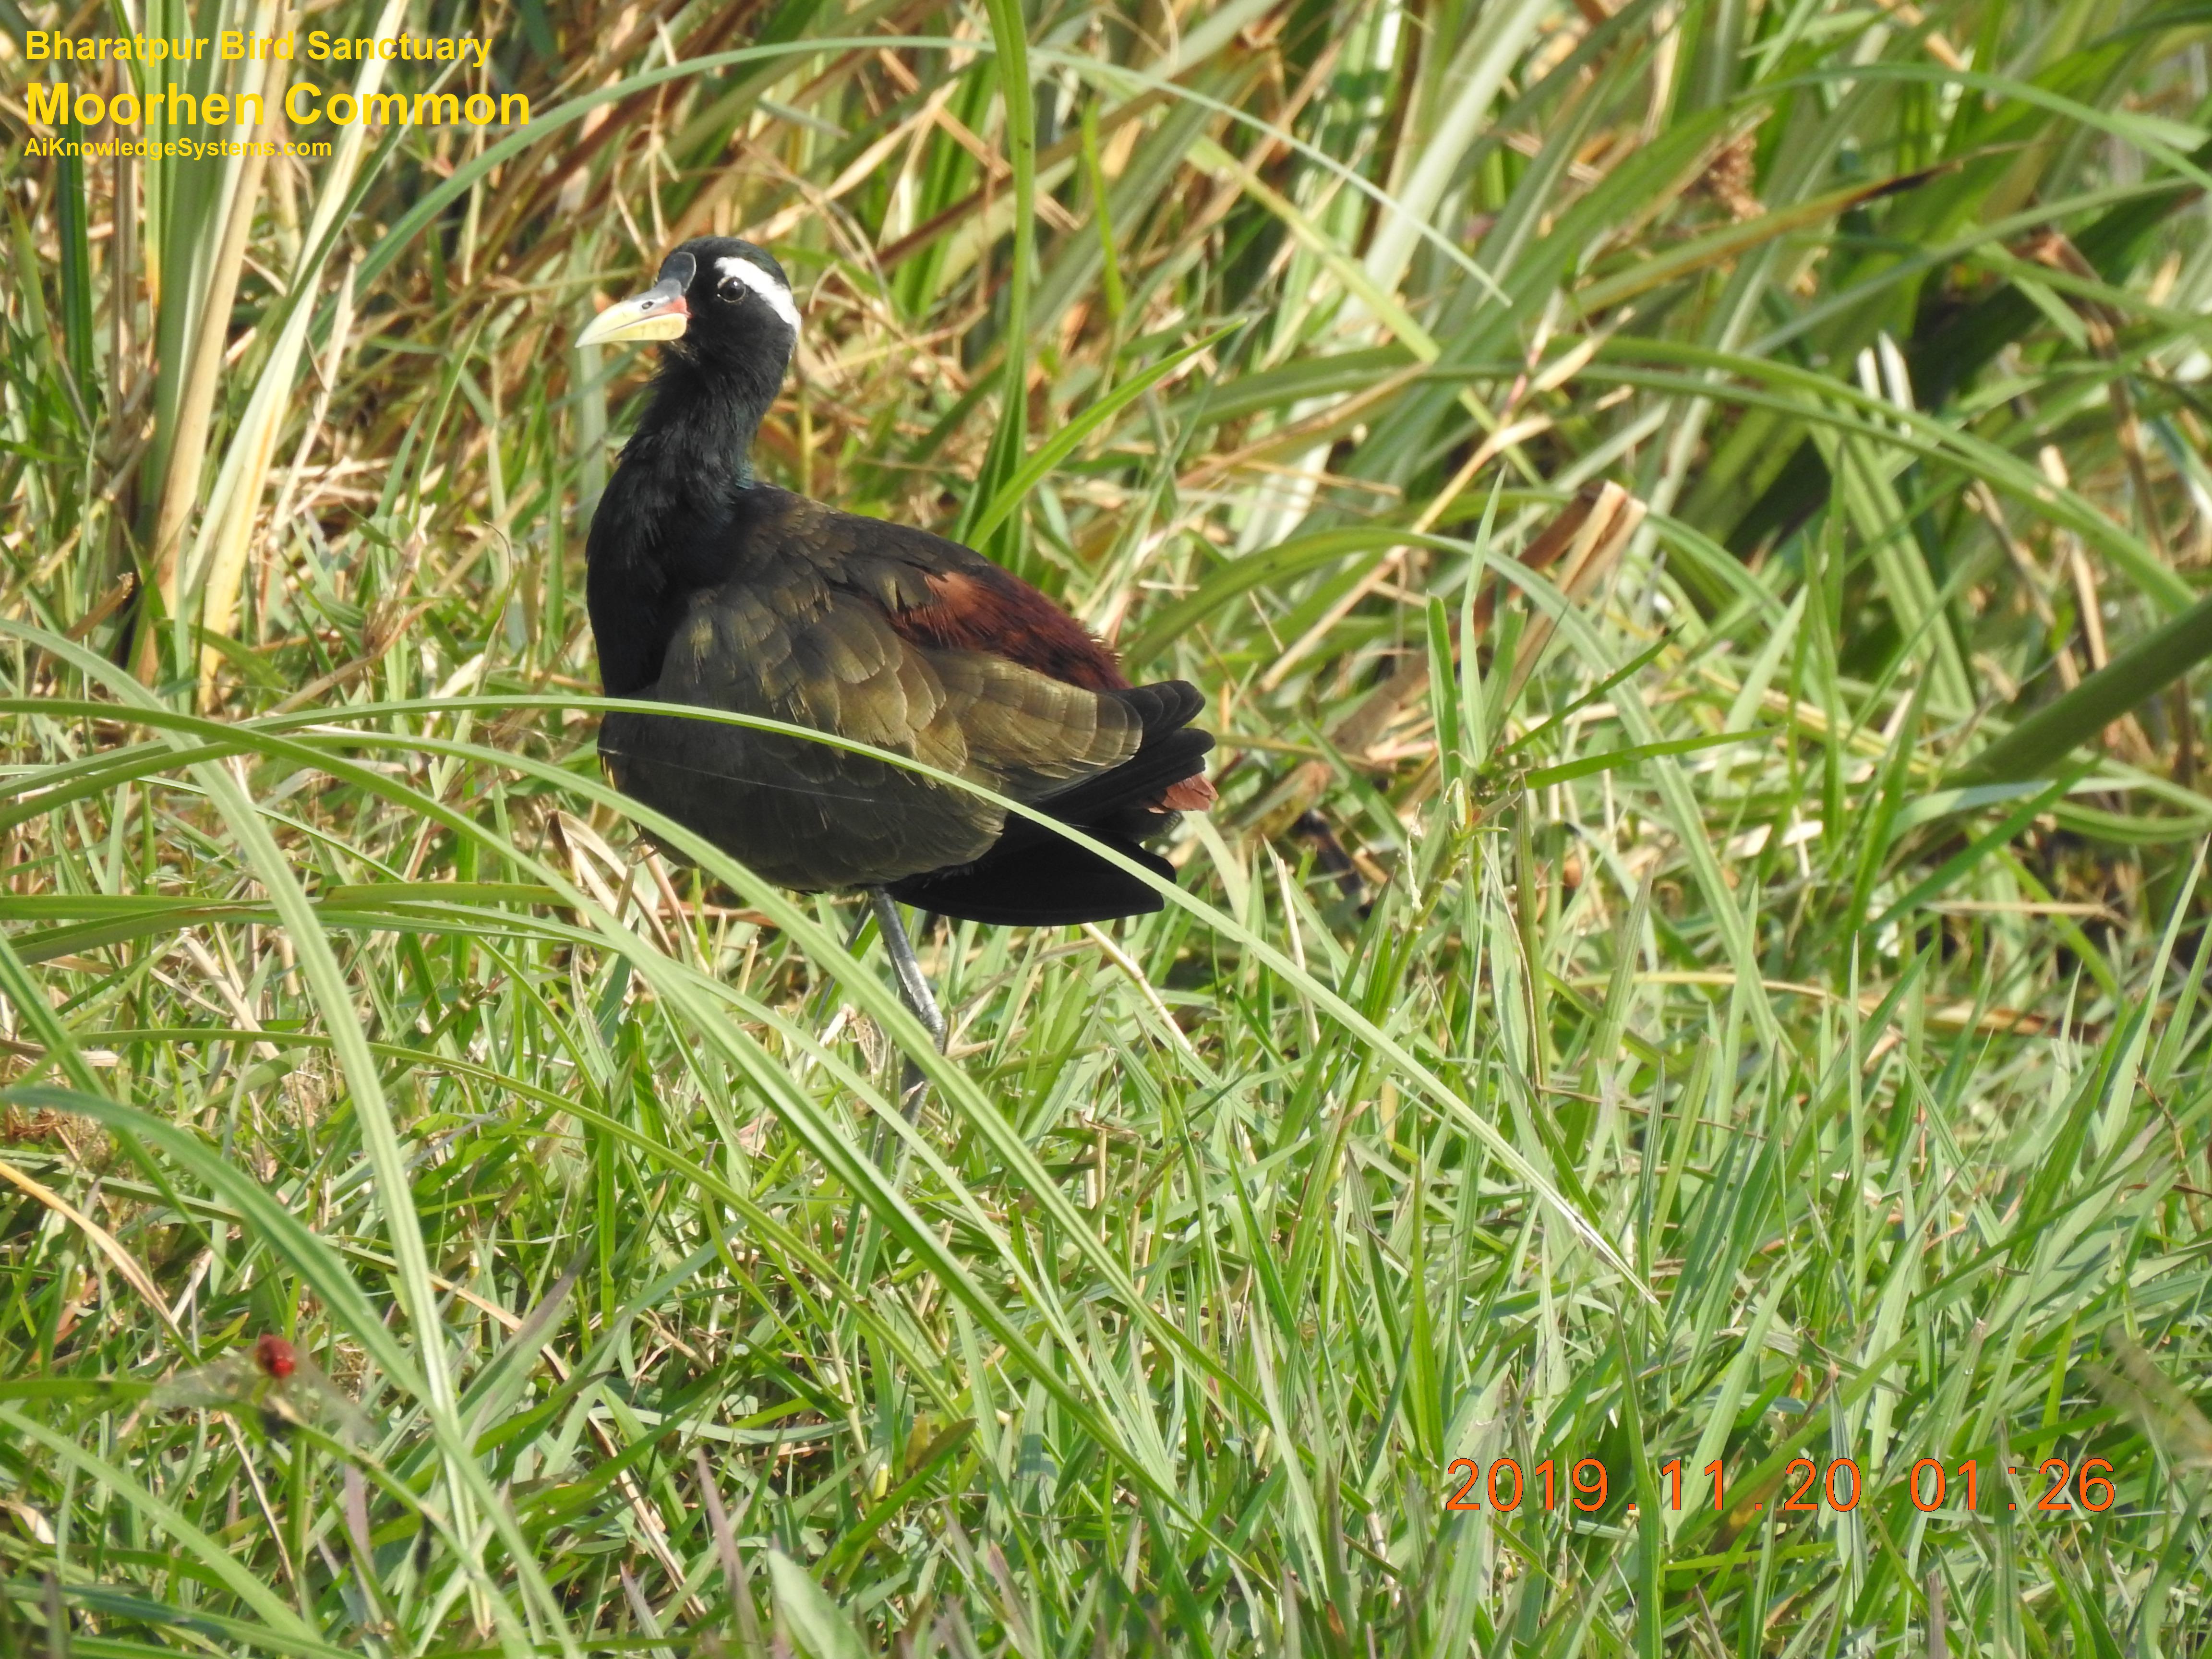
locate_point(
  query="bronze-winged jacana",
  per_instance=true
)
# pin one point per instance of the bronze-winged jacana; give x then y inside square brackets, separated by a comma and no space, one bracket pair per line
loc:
[709,587]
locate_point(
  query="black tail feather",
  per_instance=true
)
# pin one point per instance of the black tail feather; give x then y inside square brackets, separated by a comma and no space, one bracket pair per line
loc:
[1044,883]
[1164,705]
[1033,877]
[1162,763]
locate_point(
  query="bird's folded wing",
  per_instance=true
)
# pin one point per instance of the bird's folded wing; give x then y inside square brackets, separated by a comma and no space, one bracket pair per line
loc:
[942,596]
[816,655]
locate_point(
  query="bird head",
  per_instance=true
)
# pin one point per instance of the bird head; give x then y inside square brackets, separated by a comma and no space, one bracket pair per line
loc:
[719,303]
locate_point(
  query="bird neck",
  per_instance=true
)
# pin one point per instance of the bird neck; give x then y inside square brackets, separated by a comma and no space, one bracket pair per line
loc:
[701,420]
[661,532]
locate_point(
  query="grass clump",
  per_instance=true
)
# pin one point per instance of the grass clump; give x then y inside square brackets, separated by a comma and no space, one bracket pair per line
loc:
[1694,520]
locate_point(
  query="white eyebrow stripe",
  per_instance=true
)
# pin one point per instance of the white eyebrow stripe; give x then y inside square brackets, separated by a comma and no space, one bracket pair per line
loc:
[777,295]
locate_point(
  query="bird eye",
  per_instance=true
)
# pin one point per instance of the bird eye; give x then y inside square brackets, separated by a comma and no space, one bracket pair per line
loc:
[731,289]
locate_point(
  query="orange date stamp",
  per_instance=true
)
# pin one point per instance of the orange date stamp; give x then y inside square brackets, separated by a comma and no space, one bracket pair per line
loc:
[1586,1486]
[1500,1485]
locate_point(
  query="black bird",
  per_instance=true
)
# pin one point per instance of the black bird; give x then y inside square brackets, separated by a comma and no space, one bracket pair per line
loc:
[708,586]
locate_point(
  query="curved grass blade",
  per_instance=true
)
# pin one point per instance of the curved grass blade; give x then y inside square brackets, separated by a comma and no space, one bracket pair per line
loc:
[2044,739]
[210,1555]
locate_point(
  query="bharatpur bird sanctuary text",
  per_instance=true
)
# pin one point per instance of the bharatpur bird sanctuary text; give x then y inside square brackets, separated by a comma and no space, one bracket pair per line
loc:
[57,103]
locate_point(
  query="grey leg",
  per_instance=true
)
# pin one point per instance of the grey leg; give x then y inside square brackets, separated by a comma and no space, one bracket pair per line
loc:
[913,987]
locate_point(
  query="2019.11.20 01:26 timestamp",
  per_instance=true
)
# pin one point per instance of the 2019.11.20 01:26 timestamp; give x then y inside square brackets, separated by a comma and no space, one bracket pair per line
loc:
[1806,1485]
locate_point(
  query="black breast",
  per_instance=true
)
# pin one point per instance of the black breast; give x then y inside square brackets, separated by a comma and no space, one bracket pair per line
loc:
[658,539]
